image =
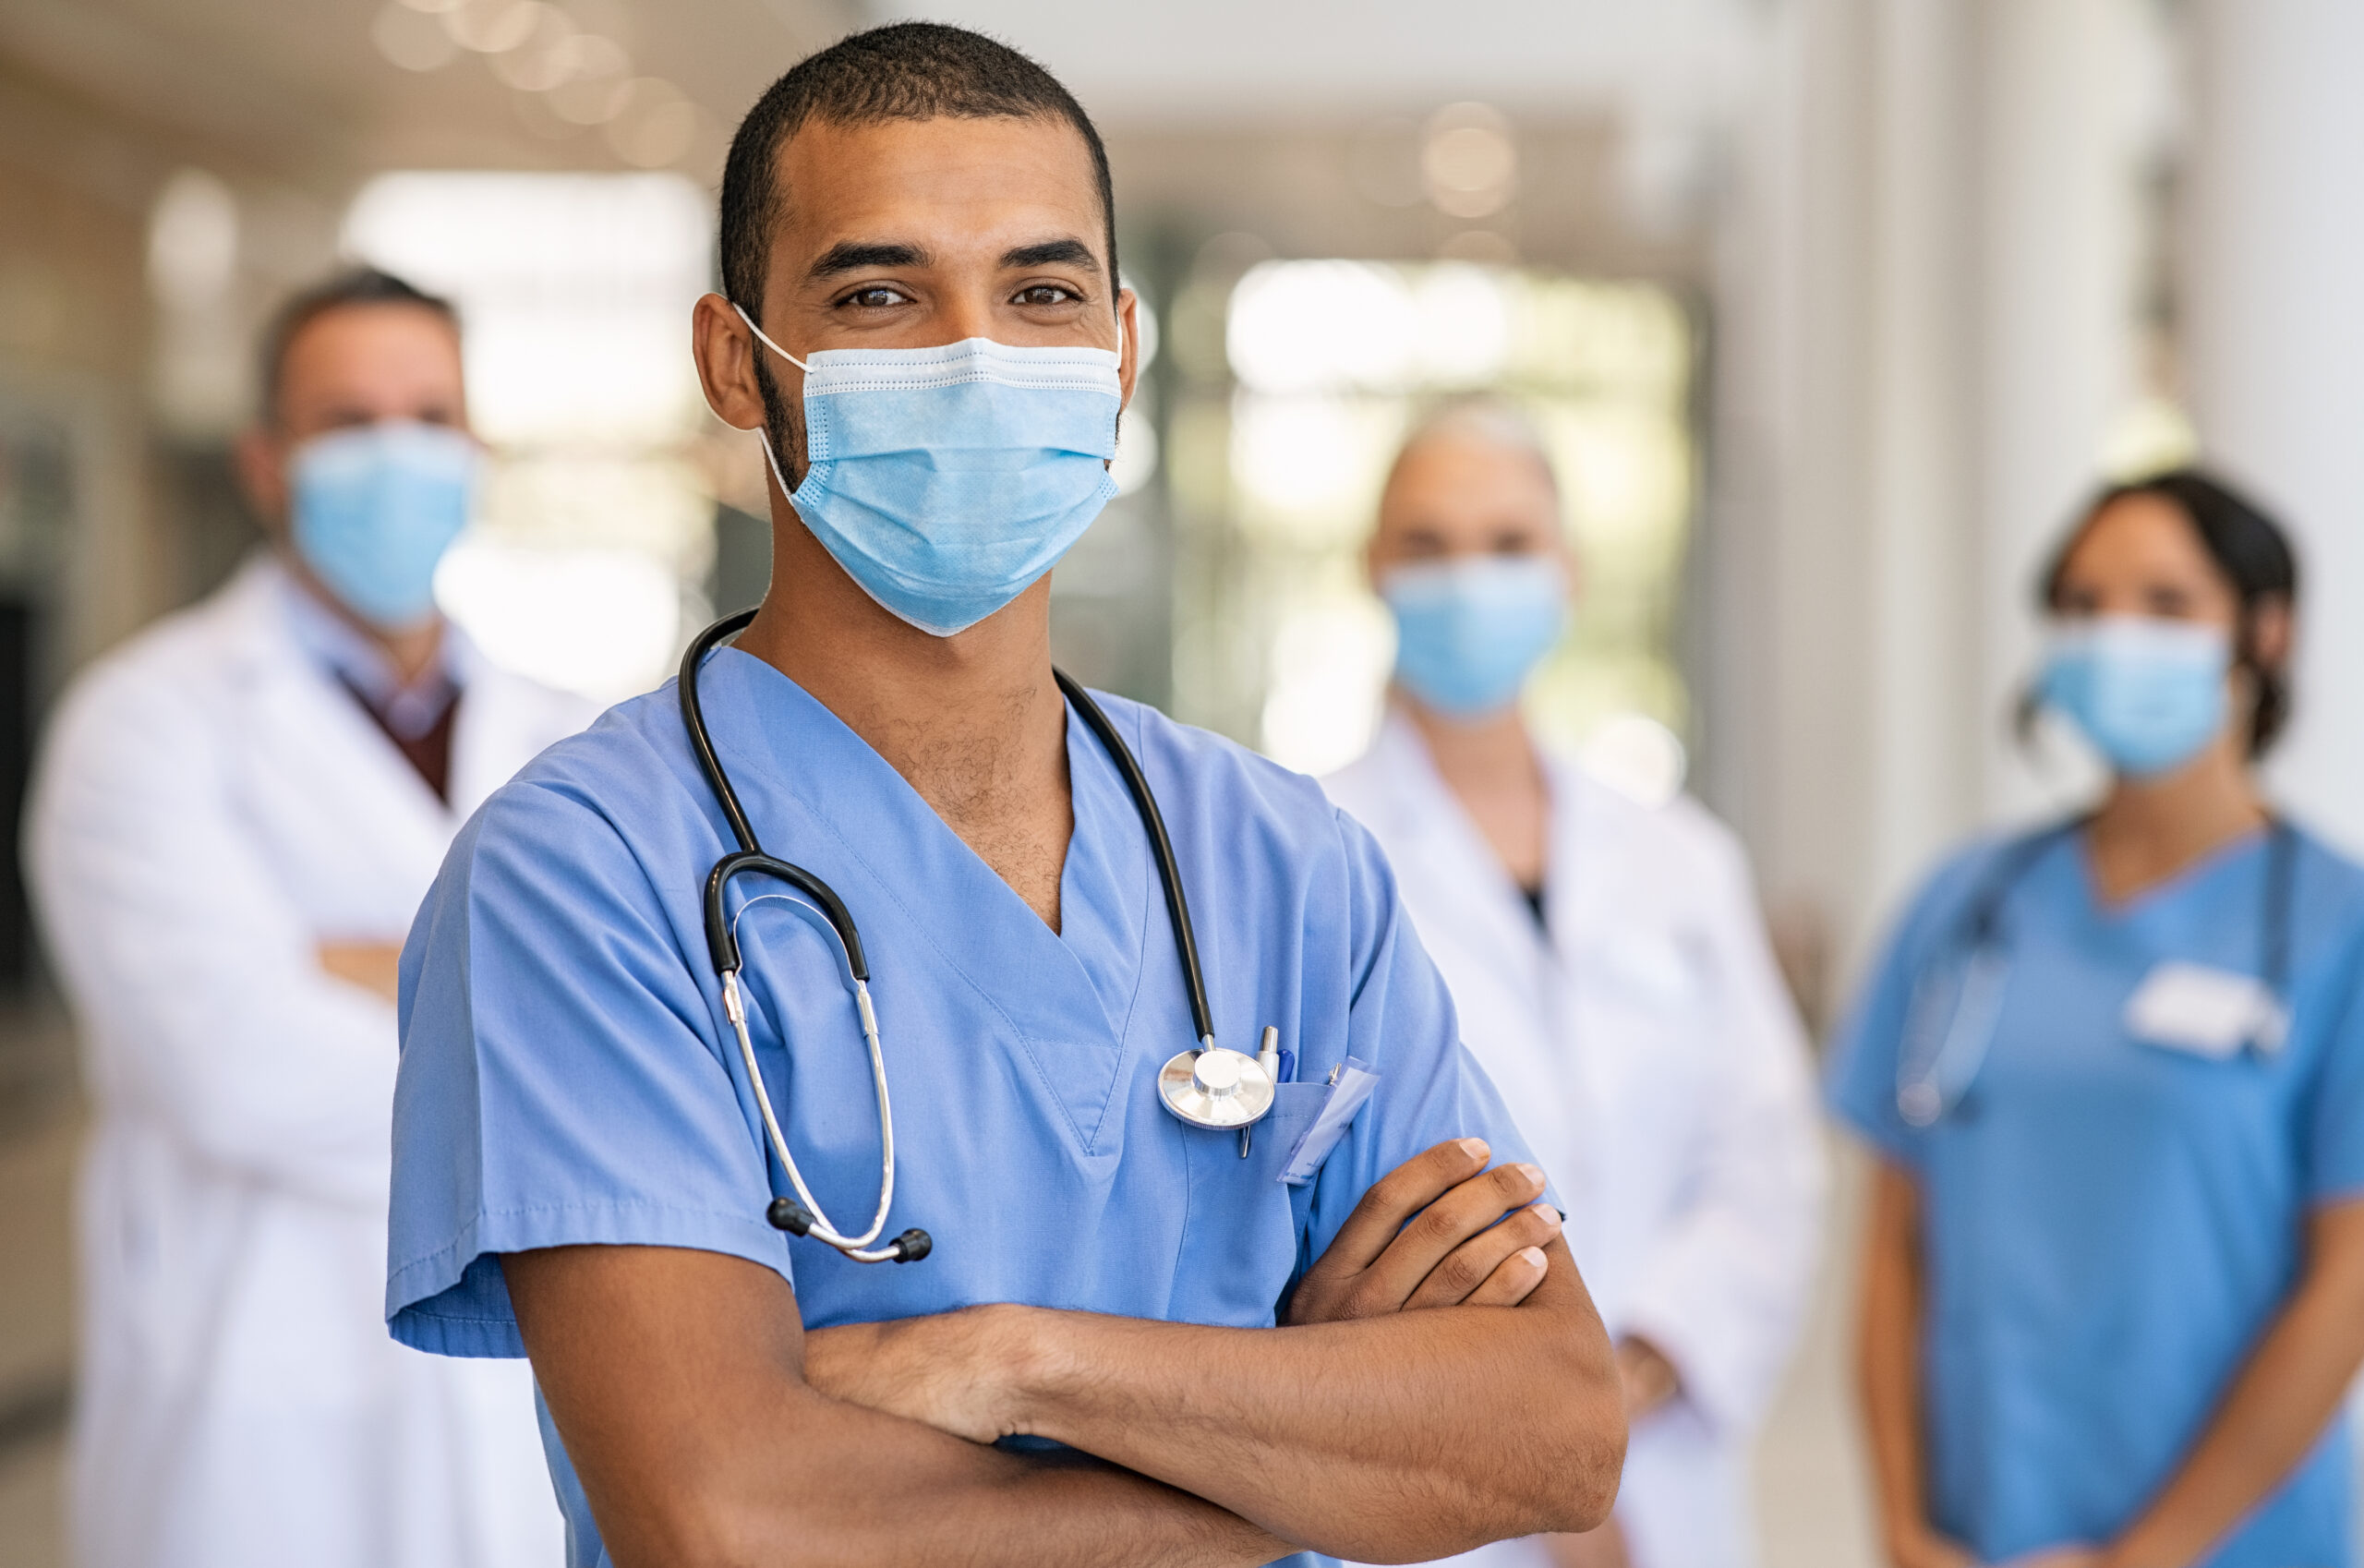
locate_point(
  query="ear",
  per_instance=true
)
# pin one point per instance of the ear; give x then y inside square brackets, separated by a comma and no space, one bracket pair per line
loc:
[1128,353]
[2270,633]
[725,350]
[263,473]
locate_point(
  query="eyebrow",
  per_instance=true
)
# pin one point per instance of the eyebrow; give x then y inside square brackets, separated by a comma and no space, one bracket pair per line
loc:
[855,256]
[1069,253]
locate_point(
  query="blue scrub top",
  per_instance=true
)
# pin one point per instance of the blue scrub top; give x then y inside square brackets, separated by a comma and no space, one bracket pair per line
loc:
[2109,1226]
[568,1075]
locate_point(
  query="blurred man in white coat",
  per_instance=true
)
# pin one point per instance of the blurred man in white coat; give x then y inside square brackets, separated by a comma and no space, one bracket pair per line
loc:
[1612,976]
[234,816]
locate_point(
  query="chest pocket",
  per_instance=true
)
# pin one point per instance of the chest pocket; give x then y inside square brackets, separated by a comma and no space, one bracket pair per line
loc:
[1241,1229]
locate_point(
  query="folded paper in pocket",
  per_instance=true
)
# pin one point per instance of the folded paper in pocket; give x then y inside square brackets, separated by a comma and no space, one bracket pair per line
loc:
[1355,1081]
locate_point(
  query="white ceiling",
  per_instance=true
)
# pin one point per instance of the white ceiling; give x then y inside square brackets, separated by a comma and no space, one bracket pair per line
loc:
[297,89]
[1229,112]
[1267,59]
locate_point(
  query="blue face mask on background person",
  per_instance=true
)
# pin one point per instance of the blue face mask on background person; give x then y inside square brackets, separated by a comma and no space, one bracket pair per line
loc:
[947,480]
[372,509]
[1467,632]
[2148,693]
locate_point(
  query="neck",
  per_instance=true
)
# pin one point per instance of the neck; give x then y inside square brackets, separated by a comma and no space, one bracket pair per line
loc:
[1485,750]
[974,722]
[410,649]
[1490,766]
[2148,829]
[985,694]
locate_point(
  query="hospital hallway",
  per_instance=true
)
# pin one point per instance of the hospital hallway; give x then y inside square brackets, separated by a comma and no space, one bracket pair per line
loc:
[1824,317]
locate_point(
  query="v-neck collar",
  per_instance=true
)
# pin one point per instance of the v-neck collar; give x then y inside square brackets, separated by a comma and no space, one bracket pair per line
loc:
[1066,996]
[2133,910]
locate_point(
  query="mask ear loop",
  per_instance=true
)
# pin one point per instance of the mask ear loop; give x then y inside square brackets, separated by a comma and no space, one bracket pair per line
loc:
[766,342]
[763,432]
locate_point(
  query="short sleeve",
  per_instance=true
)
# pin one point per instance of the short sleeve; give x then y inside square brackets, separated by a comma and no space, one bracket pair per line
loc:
[562,1082]
[1400,1019]
[2334,1124]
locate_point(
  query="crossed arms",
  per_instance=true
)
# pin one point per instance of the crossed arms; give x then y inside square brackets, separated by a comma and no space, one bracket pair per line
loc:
[1441,1381]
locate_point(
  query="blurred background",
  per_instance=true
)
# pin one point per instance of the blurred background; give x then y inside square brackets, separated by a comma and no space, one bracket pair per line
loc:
[1830,311]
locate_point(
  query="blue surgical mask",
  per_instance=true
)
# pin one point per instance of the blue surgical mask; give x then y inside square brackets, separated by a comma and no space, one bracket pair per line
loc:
[947,480]
[374,508]
[1467,632]
[2148,693]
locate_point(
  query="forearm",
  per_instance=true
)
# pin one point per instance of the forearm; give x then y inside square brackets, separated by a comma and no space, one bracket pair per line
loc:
[1415,1435]
[1889,1356]
[675,1379]
[859,1487]
[2276,1410]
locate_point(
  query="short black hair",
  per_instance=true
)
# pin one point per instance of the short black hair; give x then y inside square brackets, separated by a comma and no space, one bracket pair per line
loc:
[903,71]
[355,285]
[2249,547]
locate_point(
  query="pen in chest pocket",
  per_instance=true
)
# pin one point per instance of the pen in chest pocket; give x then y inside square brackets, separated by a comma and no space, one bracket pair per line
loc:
[1268,1055]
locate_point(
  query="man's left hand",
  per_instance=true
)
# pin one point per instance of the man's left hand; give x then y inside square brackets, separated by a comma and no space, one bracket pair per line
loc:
[1440,1230]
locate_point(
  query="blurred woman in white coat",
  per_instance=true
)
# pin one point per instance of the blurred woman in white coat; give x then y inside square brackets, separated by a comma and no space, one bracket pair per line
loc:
[234,817]
[1613,978]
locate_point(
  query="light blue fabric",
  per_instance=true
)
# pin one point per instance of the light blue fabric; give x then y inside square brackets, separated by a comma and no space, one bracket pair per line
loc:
[946,480]
[2148,693]
[2109,1225]
[568,1075]
[374,508]
[1468,630]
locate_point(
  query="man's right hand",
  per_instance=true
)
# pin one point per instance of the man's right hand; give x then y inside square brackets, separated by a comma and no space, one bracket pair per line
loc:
[1450,1253]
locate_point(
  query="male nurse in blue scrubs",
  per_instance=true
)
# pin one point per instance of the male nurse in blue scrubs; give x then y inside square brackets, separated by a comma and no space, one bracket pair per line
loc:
[1132,1341]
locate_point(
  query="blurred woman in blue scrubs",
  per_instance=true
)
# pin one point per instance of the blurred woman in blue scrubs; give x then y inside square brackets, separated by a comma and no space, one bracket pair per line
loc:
[2113,1073]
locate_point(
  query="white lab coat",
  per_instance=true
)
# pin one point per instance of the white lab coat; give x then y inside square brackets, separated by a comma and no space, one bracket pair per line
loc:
[209,807]
[1652,1058]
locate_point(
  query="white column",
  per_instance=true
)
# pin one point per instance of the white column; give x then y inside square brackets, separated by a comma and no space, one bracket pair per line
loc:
[1919,439]
[1928,313]
[2060,248]
[2273,299]
[1788,594]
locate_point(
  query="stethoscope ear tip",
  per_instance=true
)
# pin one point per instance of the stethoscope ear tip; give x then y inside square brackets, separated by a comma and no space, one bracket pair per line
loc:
[788,1214]
[913,1245]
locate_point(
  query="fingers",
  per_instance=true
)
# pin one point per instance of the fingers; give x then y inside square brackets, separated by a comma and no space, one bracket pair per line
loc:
[1513,1281]
[1474,1265]
[1434,1234]
[1399,1194]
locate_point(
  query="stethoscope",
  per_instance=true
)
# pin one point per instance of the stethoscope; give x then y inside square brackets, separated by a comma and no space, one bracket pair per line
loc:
[1207,1086]
[1942,1055]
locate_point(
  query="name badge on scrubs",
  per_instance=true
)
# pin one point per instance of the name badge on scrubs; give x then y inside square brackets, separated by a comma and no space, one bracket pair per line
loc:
[2208,1012]
[1354,1085]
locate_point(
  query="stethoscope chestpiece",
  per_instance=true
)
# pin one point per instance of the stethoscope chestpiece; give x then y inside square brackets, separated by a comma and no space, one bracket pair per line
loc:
[1215,1089]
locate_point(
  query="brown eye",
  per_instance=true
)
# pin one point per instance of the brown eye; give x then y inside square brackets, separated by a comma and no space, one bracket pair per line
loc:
[1045,293]
[877,298]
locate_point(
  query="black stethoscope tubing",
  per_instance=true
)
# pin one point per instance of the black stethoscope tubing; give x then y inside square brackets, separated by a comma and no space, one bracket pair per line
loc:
[749,860]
